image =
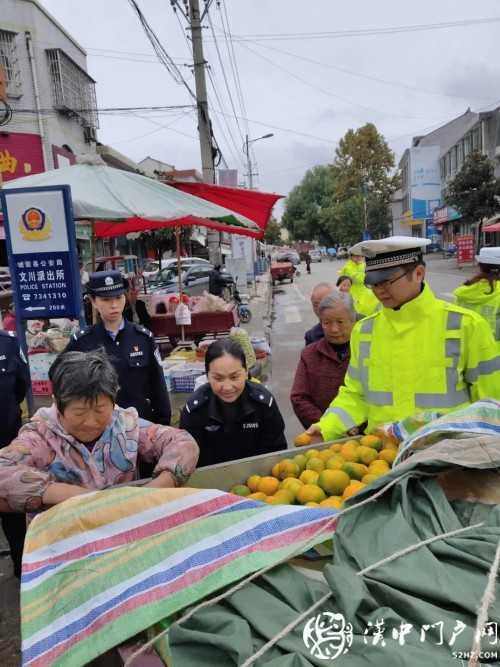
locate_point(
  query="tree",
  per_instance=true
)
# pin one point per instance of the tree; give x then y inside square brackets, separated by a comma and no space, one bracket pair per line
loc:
[304,205]
[363,159]
[474,189]
[364,167]
[273,232]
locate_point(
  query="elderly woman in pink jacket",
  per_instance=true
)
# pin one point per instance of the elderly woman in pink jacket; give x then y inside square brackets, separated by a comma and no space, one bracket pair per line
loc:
[84,441]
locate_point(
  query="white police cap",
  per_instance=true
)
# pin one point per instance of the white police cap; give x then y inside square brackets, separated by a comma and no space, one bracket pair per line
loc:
[384,256]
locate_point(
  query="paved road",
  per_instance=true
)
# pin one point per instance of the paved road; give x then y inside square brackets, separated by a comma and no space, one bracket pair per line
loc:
[293,316]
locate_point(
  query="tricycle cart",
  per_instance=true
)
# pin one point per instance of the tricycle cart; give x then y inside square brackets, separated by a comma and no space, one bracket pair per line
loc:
[281,271]
[165,328]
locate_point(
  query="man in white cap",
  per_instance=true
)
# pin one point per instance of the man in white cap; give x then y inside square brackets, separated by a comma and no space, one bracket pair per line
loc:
[417,353]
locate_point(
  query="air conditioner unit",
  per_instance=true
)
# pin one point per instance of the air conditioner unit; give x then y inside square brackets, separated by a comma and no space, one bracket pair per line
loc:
[89,134]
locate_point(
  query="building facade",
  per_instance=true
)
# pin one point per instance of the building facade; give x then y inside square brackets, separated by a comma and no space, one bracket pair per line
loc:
[431,162]
[52,97]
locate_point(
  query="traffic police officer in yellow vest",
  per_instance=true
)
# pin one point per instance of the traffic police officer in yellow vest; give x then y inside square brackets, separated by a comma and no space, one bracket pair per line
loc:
[417,353]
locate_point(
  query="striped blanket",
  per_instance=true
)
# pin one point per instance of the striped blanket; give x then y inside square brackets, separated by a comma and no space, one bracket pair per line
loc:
[427,428]
[100,568]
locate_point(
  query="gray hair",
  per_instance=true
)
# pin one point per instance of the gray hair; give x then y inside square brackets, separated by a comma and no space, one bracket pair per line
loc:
[338,299]
[323,285]
[82,376]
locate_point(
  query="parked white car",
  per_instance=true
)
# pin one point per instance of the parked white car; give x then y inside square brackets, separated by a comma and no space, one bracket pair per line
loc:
[315,256]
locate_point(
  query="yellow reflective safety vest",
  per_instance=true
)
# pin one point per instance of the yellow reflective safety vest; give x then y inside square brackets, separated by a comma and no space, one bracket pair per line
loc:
[480,298]
[365,302]
[356,272]
[427,355]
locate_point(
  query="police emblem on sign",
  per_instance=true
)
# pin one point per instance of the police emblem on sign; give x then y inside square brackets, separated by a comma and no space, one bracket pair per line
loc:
[35,225]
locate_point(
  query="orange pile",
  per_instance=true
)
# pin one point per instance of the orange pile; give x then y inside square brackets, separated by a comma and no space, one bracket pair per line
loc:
[323,478]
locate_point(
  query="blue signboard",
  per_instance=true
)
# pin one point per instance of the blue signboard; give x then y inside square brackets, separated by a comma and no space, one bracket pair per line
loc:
[40,234]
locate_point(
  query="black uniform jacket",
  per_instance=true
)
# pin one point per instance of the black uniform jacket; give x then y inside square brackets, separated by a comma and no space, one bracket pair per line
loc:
[14,380]
[257,426]
[135,357]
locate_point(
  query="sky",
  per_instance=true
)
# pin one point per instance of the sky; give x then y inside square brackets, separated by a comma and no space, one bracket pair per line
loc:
[298,72]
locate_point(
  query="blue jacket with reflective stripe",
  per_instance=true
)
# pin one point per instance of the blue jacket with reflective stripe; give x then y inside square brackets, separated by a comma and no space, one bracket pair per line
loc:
[427,355]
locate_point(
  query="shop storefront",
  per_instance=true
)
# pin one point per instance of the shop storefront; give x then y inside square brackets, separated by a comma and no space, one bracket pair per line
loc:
[448,221]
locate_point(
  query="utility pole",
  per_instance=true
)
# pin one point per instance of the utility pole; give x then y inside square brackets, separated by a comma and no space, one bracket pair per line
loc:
[204,126]
[205,134]
[249,164]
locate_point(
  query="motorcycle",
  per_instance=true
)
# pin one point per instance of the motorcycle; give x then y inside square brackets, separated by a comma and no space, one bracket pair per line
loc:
[244,312]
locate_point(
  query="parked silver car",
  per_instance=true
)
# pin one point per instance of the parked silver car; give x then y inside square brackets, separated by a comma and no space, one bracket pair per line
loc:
[194,279]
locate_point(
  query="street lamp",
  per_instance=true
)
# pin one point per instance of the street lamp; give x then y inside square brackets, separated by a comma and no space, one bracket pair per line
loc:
[246,150]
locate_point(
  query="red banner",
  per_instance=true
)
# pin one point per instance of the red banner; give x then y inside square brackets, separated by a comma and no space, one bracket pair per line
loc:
[465,248]
[20,155]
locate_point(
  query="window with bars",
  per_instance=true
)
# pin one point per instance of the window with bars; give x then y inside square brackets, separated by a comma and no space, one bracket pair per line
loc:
[10,61]
[73,90]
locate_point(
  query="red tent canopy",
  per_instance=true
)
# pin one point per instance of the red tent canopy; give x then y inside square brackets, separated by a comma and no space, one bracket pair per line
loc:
[252,204]
[492,228]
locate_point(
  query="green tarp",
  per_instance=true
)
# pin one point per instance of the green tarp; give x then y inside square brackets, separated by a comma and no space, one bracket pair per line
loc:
[440,585]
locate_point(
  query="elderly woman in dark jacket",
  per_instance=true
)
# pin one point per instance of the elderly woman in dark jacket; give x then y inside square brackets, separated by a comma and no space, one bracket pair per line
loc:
[323,364]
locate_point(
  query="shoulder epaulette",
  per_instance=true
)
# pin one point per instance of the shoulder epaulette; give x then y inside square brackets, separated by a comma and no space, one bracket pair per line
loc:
[257,392]
[143,330]
[82,332]
[199,398]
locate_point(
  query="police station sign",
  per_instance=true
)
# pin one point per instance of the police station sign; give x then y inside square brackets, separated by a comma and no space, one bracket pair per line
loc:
[40,236]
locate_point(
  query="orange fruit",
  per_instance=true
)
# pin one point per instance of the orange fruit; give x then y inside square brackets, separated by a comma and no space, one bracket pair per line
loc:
[309,477]
[284,497]
[275,470]
[312,504]
[272,500]
[301,461]
[333,482]
[324,455]
[369,478]
[336,447]
[349,452]
[371,441]
[288,468]
[258,495]
[387,455]
[268,485]
[310,493]
[355,470]
[302,440]
[314,463]
[253,482]
[390,442]
[333,501]
[311,452]
[335,462]
[379,466]
[291,484]
[367,454]
[240,490]
[352,489]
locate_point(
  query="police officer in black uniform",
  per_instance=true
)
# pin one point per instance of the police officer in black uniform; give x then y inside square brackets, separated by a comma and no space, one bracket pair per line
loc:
[130,346]
[14,379]
[231,418]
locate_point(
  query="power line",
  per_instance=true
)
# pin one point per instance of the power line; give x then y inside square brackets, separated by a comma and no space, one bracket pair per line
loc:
[160,51]
[104,110]
[323,90]
[235,151]
[147,134]
[225,77]
[398,84]
[283,129]
[366,32]
[232,59]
